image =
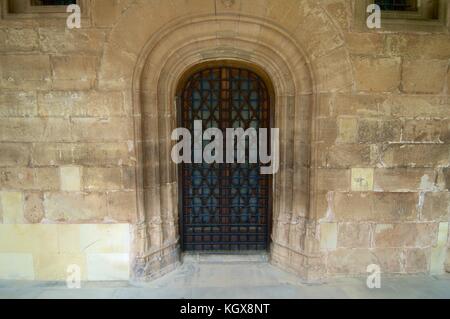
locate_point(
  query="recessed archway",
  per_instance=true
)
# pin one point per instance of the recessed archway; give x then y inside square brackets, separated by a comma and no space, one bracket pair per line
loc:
[297,72]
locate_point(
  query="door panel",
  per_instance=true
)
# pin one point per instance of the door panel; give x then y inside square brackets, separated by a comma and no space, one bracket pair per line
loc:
[225,207]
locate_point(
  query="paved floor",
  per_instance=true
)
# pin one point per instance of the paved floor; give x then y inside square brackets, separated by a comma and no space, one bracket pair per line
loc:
[197,279]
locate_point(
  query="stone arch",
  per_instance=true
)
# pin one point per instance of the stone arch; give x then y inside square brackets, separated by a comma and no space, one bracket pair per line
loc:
[149,70]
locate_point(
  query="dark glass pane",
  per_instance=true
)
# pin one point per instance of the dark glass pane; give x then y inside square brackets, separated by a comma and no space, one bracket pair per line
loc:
[52,2]
[397,5]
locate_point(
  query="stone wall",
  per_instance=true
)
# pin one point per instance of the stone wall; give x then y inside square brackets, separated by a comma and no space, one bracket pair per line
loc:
[378,189]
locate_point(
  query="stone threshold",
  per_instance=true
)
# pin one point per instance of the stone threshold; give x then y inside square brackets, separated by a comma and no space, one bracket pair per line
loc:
[213,258]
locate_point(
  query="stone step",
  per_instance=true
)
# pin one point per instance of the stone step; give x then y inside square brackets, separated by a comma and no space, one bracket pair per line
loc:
[225,258]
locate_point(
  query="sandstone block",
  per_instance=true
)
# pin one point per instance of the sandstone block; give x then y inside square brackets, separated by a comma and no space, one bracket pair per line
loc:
[54,267]
[28,238]
[374,206]
[403,179]
[15,266]
[416,106]
[417,260]
[426,131]
[376,131]
[436,206]
[102,130]
[17,104]
[353,261]
[121,206]
[348,130]
[424,76]
[85,154]
[344,155]
[12,207]
[328,236]
[414,235]
[33,208]
[363,105]
[377,74]
[35,130]
[390,260]
[63,41]
[25,72]
[97,178]
[362,179]
[19,39]
[438,258]
[105,238]
[75,207]
[354,235]
[29,178]
[333,180]
[420,155]
[70,178]
[80,103]
[14,154]
[365,43]
[73,72]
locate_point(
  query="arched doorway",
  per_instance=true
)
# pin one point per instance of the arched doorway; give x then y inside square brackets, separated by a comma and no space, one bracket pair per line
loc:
[225,206]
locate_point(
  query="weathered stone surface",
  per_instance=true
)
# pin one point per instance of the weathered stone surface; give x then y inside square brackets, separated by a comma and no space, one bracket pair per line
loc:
[362,179]
[436,206]
[446,178]
[376,131]
[102,130]
[328,236]
[435,131]
[18,39]
[416,106]
[414,235]
[35,130]
[16,178]
[348,130]
[63,40]
[431,46]
[14,154]
[377,74]
[354,235]
[75,207]
[17,103]
[421,155]
[333,180]
[423,76]
[417,260]
[97,178]
[33,207]
[375,206]
[73,72]
[344,155]
[88,154]
[25,72]
[121,206]
[12,207]
[404,179]
[365,43]
[80,103]
[70,178]
[350,261]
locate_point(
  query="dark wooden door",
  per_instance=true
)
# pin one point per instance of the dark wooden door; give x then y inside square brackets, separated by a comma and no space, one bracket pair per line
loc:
[225,207]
